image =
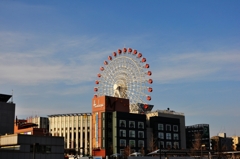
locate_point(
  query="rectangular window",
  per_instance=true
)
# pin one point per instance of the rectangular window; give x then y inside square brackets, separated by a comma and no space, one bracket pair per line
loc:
[169,145]
[140,143]
[132,151]
[131,133]
[162,144]
[175,128]
[140,125]
[122,142]
[122,133]
[140,134]
[175,137]
[168,136]
[176,145]
[122,152]
[168,127]
[160,126]
[122,123]
[131,124]
[132,143]
[160,135]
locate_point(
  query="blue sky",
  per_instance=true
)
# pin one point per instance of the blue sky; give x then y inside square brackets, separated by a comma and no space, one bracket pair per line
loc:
[51,51]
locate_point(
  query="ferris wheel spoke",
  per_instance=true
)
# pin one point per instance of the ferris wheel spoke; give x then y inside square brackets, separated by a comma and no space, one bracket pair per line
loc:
[125,75]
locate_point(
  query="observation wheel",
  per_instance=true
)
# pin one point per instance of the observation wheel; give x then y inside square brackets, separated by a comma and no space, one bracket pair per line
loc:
[126,75]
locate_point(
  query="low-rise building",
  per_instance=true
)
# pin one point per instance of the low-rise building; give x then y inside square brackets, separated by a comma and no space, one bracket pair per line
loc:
[21,146]
[198,136]
[76,130]
[168,128]
[222,143]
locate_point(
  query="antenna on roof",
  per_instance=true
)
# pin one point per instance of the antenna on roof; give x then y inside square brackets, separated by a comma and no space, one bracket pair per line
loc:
[12,96]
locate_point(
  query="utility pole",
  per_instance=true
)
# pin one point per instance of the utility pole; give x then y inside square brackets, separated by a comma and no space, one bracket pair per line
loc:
[160,148]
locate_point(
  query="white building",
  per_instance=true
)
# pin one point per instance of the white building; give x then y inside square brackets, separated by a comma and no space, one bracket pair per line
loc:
[76,130]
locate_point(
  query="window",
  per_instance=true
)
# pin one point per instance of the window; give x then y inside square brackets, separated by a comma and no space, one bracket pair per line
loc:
[122,152]
[176,145]
[140,143]
[140,134]
[132,151]
[160,126]
[175,137]
[140,125]
[122,142]
[169,145]
[168,127]
[168,136]
[122,133]
[122,123]
[160,135]
[175,128]
[131,124]
[131,133]
[160,143]
[132,143]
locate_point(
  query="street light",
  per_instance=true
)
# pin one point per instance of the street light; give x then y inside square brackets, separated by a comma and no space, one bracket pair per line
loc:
[201,150]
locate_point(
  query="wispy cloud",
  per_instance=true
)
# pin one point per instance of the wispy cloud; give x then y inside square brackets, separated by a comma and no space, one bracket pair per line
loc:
[197,66]
[52,61]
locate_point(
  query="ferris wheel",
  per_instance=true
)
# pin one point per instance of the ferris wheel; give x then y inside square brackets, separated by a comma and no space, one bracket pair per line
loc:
[125,75]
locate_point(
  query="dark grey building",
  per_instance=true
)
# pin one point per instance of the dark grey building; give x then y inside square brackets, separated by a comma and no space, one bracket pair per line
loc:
[20,146]
[192,133]
[122,129]
[167,129]
[7,114]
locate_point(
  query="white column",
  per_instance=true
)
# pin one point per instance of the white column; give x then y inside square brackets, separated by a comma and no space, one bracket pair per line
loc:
[77,148]
[68,132]
[81,131]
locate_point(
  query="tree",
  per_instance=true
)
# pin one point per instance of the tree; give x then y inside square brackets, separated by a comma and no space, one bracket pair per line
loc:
[196,145]
[152,144]
[127,151]
[142,151]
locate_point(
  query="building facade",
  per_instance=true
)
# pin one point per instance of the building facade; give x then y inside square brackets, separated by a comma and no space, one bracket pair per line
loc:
[236,143]
[222,143]
[76,130]
[20,146]
[167,128]
[121,130]
[7,114]
[198,132]
[42,122]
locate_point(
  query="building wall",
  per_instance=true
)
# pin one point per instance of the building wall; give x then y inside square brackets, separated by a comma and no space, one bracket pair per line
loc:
[19,146]
[236,140]
[202,130]
[221,143]
[42,122]
[134,128]
[76,130]
[169,114]
[7,116]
